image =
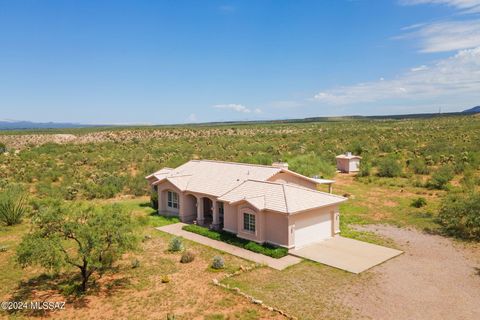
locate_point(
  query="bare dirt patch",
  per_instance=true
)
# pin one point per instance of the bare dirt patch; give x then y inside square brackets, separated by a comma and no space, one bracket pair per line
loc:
[436,278]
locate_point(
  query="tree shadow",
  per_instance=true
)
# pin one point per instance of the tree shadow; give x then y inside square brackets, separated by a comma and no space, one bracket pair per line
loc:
[63,288]
[477,271]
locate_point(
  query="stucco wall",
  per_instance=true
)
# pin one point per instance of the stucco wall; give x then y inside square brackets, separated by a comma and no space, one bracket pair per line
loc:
[284,177]
[230,218]
[276,228]
[259,234]
[163,188]
[342,165]
[354,165]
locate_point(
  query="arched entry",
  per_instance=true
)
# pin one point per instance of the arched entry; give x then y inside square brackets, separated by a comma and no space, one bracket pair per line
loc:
[190,208]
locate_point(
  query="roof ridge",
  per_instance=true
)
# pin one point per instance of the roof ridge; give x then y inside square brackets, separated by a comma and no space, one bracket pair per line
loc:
[238,163]
[315,191]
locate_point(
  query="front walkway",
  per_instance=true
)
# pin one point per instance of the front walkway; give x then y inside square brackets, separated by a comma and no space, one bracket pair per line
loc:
[346,254]
[279,264]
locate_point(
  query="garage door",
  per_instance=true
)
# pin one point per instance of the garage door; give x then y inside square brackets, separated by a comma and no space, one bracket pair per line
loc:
[312,229]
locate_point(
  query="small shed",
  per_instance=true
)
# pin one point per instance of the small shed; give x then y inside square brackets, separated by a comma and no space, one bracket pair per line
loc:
[348,162]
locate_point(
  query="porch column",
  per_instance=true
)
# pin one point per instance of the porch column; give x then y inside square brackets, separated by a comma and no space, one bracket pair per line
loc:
[215,214]
[200,218]
[330,188]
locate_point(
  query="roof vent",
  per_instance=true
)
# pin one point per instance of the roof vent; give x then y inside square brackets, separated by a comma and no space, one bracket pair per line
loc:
[282,165]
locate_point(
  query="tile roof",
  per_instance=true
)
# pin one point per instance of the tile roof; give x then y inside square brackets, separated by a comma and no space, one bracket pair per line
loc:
[234,182]
[285,198]
[214,177]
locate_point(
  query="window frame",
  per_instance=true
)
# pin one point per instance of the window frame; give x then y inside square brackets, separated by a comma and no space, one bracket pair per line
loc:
[173,200]
[249,222]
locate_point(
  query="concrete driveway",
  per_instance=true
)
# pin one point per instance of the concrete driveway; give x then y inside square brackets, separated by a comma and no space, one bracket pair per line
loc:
[346,254]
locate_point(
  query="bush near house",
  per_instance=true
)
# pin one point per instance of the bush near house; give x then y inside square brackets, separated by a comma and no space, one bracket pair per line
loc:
[230,238]
[175,245]
[218,262]
[459,215]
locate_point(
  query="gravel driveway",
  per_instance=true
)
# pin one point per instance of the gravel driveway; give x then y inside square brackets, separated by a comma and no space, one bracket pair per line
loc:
[436,278]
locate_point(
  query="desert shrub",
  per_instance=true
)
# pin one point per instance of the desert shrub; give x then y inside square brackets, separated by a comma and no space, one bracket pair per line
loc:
[419,166]
[175,245]
[187,257]
[459,215]
[3,148]
[218,262]
[365,169]
[13,205]
[418,202]
[165,279]
[441,178]
[389,167]
[135,263]
[3,248]
[154,199]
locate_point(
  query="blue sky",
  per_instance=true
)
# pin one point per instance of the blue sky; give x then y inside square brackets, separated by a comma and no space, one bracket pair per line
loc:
[195,61]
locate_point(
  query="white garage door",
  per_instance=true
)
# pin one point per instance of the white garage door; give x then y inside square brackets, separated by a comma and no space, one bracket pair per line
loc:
[312,229]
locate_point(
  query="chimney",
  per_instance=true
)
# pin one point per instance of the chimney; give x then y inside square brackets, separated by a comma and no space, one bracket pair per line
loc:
[348,154]
[281,165]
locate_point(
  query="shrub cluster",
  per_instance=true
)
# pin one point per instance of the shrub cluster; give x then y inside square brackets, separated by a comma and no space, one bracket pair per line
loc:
[459,215]
[230,238]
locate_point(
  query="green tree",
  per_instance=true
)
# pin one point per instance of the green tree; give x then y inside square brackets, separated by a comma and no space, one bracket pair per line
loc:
[84,237]
[459,215]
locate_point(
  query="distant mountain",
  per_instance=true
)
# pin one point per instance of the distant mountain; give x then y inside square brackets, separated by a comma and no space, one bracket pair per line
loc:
[472,110]
[17,125]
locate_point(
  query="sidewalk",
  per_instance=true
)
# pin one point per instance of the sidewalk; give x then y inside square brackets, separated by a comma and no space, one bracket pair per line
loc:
[278,264]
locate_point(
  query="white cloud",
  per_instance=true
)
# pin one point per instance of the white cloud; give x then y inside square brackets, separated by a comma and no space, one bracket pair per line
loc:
[237,108]
[467,6]
[192,118]
[420,68]
[446,35]
[458,75]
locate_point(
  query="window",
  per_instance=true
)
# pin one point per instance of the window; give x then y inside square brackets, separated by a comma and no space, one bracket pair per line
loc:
[220,208]
[172,200]
[249,222]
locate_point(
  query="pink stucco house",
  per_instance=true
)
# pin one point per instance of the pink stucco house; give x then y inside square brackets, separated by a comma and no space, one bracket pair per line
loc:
[269,204]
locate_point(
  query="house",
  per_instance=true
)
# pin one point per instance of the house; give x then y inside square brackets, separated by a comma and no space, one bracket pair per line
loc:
[348,162]
[265,204]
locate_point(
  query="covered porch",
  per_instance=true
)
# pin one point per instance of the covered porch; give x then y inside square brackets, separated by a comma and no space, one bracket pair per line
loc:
[204,210]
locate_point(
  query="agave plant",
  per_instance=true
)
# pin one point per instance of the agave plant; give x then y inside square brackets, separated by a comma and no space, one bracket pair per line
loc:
[13,207]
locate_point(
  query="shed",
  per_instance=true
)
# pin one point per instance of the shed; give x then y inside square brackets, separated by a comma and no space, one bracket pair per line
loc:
[348,162]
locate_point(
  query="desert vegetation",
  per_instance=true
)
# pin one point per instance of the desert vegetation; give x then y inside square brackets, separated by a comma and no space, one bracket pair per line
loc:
[58,190]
